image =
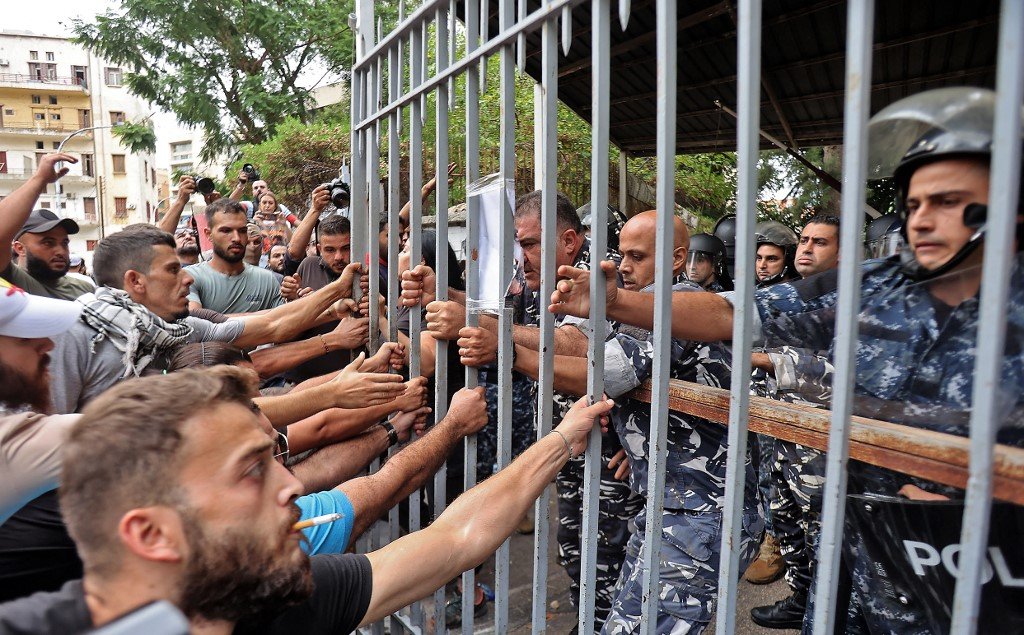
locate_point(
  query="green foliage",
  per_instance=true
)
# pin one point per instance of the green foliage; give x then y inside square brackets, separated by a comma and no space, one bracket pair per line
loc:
[229,66]
[297,158]
[137,137]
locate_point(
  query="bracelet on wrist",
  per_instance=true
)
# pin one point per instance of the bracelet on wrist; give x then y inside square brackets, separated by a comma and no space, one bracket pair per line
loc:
[327,349]
[392,433]
[568,447]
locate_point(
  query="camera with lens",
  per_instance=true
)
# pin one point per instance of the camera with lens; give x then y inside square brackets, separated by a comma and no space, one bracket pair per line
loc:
[339,192]
[204,184]
[251,174]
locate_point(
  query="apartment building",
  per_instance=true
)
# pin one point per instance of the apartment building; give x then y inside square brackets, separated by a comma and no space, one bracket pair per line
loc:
[54,91]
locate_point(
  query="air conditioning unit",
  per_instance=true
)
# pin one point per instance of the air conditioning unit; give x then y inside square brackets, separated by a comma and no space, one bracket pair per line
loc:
[70,195]
[5,62]
[131,206]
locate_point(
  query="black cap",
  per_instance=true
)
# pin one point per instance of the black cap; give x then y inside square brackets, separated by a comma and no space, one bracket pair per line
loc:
[43,220]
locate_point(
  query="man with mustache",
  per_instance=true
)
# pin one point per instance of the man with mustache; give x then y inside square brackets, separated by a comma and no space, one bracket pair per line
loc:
[40,242]
[227,283]
[171,492]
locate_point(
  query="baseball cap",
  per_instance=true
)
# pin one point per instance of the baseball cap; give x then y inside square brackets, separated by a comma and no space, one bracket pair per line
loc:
[43,220]
[28,316]
[75,260]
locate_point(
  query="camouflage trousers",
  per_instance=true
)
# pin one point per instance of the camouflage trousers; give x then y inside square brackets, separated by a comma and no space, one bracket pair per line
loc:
[688,571]
[762,455]
[798,477]
[616,507]
[524,432]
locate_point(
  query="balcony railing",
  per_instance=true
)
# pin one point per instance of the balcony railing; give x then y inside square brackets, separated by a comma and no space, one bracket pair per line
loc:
[26,78]
[41,127]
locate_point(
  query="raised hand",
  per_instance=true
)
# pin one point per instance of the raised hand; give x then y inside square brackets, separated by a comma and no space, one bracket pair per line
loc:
[419,286]
[48,170]
[354,389]
[445,319]
[572,293]
[477,346]
[319,200]
[468,411]
[578,422]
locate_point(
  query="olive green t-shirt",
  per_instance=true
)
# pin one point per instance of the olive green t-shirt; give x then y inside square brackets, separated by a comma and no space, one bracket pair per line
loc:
[63,288]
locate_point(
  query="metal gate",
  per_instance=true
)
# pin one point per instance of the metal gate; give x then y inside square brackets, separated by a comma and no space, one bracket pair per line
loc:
[390,90]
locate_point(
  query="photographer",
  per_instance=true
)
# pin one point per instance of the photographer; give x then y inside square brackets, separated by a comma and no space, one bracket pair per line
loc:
[249,174]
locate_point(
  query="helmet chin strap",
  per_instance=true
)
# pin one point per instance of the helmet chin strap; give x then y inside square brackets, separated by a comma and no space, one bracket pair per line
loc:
[975,215]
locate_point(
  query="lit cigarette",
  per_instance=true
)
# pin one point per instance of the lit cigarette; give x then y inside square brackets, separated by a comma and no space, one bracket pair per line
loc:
[313,522]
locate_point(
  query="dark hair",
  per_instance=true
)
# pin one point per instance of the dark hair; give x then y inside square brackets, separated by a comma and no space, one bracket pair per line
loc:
[565,211]
[224,206]
[335,225]
[428,249]
[125,452]
[823,219]
[127,250]
[200,354]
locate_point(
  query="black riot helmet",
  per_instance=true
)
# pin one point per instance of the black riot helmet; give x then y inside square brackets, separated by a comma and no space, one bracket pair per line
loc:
[725,230]
[712,249]
[884,236]
[775,233]
[936,125]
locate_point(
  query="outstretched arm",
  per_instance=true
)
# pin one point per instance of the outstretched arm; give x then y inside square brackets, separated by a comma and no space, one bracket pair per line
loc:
[700,316]
[300,237]
[478,522]
[408,470]
[17,205]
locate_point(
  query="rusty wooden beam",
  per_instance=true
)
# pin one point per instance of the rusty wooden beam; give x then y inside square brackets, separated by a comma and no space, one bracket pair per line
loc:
[934,456]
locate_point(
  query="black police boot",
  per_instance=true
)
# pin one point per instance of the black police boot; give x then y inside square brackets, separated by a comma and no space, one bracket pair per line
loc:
[786,613]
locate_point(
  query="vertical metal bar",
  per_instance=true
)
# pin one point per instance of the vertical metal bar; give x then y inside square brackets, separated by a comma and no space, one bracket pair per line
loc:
[521,40]
[401,57]
[748,72]
[860,23]
[546,166]
[424,59]
[624,7]
[451,49]
[566,29]
[623,182]
[666,151]
[441,270]
[600,97]
[485,17]
[373,177]
[507,87]
[986,415]
[358,203]
[472,265]
[395,85]
[415,245]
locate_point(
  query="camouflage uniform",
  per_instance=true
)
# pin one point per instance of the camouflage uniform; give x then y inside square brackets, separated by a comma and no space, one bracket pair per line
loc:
[915,365]
[523,431]
[797,471]
[694,485]
[617,505]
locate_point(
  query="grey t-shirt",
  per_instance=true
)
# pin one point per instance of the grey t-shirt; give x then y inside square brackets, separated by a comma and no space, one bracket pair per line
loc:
[252,290]
[63,288]
[81,370]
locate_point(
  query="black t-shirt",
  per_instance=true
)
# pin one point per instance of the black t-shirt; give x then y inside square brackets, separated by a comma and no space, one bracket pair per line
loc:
[36,552]
[343,584]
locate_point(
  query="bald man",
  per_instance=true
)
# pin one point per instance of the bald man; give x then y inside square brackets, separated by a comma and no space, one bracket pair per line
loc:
[694,491]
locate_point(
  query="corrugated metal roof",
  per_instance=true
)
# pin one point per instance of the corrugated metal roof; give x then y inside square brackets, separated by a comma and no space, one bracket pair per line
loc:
[918,45]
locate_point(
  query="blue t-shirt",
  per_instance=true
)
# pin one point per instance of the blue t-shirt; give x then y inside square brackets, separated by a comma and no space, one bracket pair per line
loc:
[332,537]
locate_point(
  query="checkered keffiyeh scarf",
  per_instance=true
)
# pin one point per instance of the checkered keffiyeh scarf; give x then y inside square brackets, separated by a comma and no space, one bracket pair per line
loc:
[130,327]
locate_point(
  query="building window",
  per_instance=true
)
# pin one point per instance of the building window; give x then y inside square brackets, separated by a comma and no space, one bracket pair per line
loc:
[116,117]
[120,208]
[145,171]
[53,100]
[90,245]
[112,76]
[40,145]
[181,151]
[148,210]
[36,99]
[87,165]
[39,116]
[89,203]
[118,161]
[152,175]
[55,116]
[81,75]
[49,56]
[55,145]
[9,112]
[33,55]
[45,204]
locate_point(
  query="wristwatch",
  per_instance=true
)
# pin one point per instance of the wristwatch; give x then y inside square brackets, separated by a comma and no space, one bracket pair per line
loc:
[392,433]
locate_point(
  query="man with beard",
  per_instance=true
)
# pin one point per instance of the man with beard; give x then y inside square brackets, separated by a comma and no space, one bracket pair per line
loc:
[40,239]
[29,440]
[276,260]
[33,546]
[171,491]
[226,283]
[139,317]
[185,246]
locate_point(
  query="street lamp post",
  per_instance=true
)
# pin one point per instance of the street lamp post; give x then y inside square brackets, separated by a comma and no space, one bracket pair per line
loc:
[60,148]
